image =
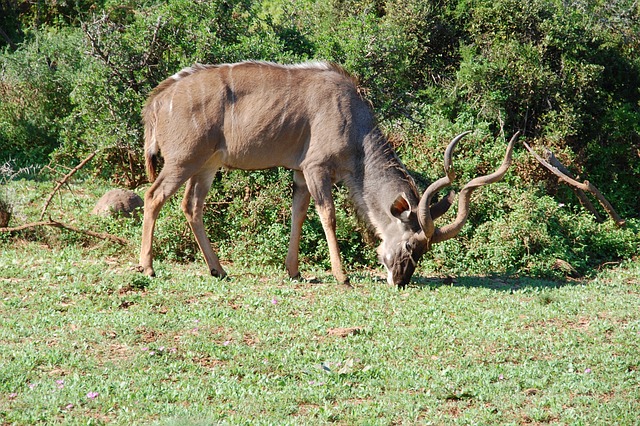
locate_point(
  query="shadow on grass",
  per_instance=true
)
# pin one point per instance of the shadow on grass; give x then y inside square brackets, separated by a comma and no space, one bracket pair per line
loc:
[498,283]
[493,282]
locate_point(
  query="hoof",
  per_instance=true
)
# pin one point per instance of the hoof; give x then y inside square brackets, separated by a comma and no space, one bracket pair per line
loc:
[347,286]
[342,278]
[218,274]
[148,271]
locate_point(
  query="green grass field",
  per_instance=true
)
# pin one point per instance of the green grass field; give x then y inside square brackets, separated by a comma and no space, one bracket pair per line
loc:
[85,340]
[530,316]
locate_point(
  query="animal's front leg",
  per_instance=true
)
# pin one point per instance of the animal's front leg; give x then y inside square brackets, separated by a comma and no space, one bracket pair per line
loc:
[319,185]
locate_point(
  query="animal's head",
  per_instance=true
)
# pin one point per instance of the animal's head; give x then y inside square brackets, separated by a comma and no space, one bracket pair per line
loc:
[412,231]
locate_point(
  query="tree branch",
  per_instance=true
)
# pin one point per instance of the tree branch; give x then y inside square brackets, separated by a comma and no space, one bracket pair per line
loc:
[64,180]
[55,224]
[586,186]
[582,197]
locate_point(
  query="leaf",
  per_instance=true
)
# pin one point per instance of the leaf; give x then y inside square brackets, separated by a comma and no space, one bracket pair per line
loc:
[347,368]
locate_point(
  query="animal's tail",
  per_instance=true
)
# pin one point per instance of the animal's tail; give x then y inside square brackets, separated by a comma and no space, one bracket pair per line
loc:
[151,164]
[151,154]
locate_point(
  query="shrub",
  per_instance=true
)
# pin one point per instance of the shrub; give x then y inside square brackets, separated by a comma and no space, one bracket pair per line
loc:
[531,234]
[565,73]
[133,52]
[35,84]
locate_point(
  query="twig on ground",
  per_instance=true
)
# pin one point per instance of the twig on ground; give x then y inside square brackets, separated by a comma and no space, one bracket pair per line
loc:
[56,224]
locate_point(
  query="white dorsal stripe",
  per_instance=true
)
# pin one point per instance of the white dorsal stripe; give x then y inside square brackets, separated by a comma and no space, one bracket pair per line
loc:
[311,65]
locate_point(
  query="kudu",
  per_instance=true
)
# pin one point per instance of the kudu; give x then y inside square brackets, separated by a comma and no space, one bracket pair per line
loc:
[309,118]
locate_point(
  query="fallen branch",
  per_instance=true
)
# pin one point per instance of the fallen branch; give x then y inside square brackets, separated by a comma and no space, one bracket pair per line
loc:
[585,186]
[64,180]
[51,222]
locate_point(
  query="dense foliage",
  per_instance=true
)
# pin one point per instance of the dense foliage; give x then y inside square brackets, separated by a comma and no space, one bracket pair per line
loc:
[566,73]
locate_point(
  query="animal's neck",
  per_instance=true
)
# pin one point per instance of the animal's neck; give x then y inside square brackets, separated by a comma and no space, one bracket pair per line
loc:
[383,178]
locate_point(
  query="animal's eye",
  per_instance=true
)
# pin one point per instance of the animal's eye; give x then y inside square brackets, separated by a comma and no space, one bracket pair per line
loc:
[408,246]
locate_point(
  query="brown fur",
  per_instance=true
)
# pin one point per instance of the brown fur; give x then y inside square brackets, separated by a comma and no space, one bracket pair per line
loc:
[310,118]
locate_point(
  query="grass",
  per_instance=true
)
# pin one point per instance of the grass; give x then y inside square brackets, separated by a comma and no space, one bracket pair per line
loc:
[84,340]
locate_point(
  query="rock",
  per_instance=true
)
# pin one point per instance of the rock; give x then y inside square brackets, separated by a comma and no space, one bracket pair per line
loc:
[565,267]
[118,202]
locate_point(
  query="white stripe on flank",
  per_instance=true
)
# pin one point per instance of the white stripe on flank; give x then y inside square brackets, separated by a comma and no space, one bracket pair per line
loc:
[283,116]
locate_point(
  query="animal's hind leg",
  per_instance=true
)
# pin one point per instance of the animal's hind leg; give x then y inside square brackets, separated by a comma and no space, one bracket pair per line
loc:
[300,205]
[192,205]
[166,184]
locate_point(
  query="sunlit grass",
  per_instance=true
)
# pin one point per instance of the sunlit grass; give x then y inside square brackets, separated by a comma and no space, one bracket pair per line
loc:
[86,340]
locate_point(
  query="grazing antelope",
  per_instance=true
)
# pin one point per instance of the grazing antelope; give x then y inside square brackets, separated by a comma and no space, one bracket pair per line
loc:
[311,119]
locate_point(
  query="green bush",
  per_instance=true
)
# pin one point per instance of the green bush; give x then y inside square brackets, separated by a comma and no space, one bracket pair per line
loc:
[561,73]
[531,234]
[74,77]
[129,53]
[35,84]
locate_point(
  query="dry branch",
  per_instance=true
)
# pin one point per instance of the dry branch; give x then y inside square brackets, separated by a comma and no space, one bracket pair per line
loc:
[582,197]
[51,222]
[585,186]
[64,180]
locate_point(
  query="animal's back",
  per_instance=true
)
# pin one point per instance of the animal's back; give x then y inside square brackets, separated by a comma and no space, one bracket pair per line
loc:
[257,115]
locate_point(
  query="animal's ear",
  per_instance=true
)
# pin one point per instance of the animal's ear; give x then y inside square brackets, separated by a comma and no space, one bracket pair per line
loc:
[400,208]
